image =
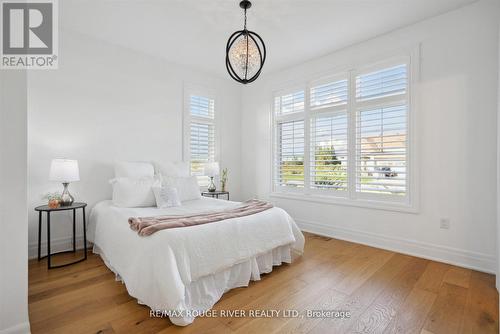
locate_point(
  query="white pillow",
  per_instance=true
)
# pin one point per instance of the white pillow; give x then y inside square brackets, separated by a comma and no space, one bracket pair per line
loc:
[172,169]
[133,192]
[134,169]
[166,197]
[187,187]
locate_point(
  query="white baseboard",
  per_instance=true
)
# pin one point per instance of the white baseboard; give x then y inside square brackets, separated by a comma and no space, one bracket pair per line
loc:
[56,245]
[23,328]
[459,257]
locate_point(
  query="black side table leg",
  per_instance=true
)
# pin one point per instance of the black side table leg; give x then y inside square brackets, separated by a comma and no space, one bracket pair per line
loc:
[48,239]
[74,231]
[84,234]
[39,232]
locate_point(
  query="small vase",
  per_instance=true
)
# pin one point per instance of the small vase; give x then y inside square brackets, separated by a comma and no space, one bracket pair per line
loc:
[223,186]
[54,203]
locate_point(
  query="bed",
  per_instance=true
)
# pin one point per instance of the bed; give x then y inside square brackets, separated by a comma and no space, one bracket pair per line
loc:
[185,271]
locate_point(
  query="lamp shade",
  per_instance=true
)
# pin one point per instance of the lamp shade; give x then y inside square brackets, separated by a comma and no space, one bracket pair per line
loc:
[64,170]
[211,169]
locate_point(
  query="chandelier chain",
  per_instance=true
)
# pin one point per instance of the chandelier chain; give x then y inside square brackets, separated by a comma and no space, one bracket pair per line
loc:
[245,24]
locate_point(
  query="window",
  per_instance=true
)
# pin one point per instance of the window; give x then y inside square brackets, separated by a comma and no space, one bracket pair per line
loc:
[329,152]
[346,136]
[290,140]
[381,131]
[200,125]
[291,148]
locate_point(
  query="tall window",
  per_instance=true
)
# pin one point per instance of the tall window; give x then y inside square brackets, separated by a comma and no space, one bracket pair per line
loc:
[345,136]
[382,131]
[290,139]
[201,128]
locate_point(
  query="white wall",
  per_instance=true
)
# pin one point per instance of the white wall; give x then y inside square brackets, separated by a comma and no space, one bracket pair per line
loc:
[108,103]
[13,208]
[457,117]
[498,166]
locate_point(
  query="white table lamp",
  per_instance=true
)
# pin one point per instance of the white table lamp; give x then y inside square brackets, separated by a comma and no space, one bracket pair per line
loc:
[211,170]
[64,171]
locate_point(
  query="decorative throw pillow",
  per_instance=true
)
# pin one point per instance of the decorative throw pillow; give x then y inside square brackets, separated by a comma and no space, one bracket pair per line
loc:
[134,169]
[166,197]
[133,192]
[187,187]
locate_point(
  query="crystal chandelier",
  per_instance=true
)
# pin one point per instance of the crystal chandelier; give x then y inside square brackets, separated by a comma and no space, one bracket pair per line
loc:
[245,52]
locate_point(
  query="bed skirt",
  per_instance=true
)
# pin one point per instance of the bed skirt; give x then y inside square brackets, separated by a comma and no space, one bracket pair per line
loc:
[201,295]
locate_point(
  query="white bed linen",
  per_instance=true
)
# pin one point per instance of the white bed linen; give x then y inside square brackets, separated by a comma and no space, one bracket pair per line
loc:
[189,268]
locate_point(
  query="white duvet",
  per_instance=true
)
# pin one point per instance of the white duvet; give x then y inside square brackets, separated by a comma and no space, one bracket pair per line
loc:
[161,270]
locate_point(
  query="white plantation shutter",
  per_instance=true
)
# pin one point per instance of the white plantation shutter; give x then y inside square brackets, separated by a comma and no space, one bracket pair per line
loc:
[382,83]
[382,132]
[381,150]
[329,94]
[290,140]
[328,165]
[347,135]
[290,103]
[290,154]
[329,152]
[202,146]
[202,106]
[201,135]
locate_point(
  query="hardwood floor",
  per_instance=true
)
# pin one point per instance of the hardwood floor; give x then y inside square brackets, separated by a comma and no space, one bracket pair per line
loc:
[385,292]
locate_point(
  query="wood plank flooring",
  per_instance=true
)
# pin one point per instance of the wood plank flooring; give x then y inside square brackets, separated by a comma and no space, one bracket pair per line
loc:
[385,292]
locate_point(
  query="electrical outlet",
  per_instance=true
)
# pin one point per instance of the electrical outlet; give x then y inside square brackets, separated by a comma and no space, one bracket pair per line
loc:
[444,223]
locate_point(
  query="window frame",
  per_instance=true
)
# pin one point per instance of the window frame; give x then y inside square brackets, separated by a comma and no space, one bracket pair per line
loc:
[410,202]
[187,119]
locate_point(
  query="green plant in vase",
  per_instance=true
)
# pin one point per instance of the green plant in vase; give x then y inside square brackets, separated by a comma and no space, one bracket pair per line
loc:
[223,179]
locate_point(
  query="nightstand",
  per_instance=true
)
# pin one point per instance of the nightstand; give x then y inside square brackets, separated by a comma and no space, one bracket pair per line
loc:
[215,194]
[73,207]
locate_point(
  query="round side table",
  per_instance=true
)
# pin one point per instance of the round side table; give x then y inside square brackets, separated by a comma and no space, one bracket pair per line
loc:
[73,207]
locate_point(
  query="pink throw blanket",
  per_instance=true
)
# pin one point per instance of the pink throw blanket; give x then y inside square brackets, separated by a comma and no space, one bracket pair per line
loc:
[149,225]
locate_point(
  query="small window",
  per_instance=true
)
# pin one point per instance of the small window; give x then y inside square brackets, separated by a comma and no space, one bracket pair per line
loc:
[201,106]
[290,103]
[329,94]
[386,82]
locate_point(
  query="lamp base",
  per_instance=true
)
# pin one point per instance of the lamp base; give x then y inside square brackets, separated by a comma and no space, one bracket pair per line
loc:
[211,188]
[66,198]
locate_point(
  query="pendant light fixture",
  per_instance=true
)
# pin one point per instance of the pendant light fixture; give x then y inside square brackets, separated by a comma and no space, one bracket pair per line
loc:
[245,52]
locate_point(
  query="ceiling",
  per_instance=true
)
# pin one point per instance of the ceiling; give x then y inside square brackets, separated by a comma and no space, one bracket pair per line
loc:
[195,32]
